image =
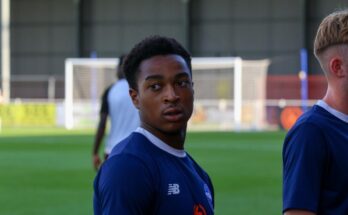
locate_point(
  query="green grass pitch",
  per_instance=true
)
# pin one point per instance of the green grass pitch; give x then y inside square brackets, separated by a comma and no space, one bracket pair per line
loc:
[49,171]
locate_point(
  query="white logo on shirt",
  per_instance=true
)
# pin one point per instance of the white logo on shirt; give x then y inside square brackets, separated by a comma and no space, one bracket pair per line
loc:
[173,189]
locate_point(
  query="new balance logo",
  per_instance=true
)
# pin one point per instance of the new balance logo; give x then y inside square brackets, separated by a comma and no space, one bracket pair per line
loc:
[173,189]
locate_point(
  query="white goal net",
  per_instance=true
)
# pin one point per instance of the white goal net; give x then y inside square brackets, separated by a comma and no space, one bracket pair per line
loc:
[85,81]
[230,93]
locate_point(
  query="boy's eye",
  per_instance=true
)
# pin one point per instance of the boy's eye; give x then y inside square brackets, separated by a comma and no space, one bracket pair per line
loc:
[155,87]
[183,83]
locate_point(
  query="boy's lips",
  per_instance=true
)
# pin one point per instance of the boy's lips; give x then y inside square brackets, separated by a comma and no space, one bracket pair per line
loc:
[173,114]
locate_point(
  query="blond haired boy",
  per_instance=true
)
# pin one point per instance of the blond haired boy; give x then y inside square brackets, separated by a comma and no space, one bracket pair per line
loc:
[315,164]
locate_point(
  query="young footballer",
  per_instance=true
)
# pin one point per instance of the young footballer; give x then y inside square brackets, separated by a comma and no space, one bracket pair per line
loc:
[315,164]
[150,172]
[124,117]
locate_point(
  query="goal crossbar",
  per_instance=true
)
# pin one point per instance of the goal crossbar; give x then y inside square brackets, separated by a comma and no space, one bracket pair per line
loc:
[210,66]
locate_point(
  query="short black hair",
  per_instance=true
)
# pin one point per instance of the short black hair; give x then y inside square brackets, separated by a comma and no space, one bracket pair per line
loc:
[150,47]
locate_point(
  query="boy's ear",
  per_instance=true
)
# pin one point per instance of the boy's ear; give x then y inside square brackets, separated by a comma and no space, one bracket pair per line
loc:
[134,96]
[336,66]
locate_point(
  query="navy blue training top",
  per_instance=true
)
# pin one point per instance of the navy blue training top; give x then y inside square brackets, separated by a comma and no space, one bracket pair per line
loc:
[315,164]
[140,178]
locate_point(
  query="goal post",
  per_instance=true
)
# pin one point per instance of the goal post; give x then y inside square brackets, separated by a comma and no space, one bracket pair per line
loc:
[213,63]
[230,92]
[86,67]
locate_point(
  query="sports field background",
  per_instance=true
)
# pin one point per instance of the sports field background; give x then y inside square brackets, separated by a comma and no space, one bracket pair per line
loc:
[49,171]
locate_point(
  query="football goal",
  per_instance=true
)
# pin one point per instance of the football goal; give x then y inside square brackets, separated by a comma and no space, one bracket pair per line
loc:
[230,92]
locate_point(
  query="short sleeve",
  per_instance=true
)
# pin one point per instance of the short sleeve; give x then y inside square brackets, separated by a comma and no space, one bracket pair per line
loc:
[123,186]
[304,157]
